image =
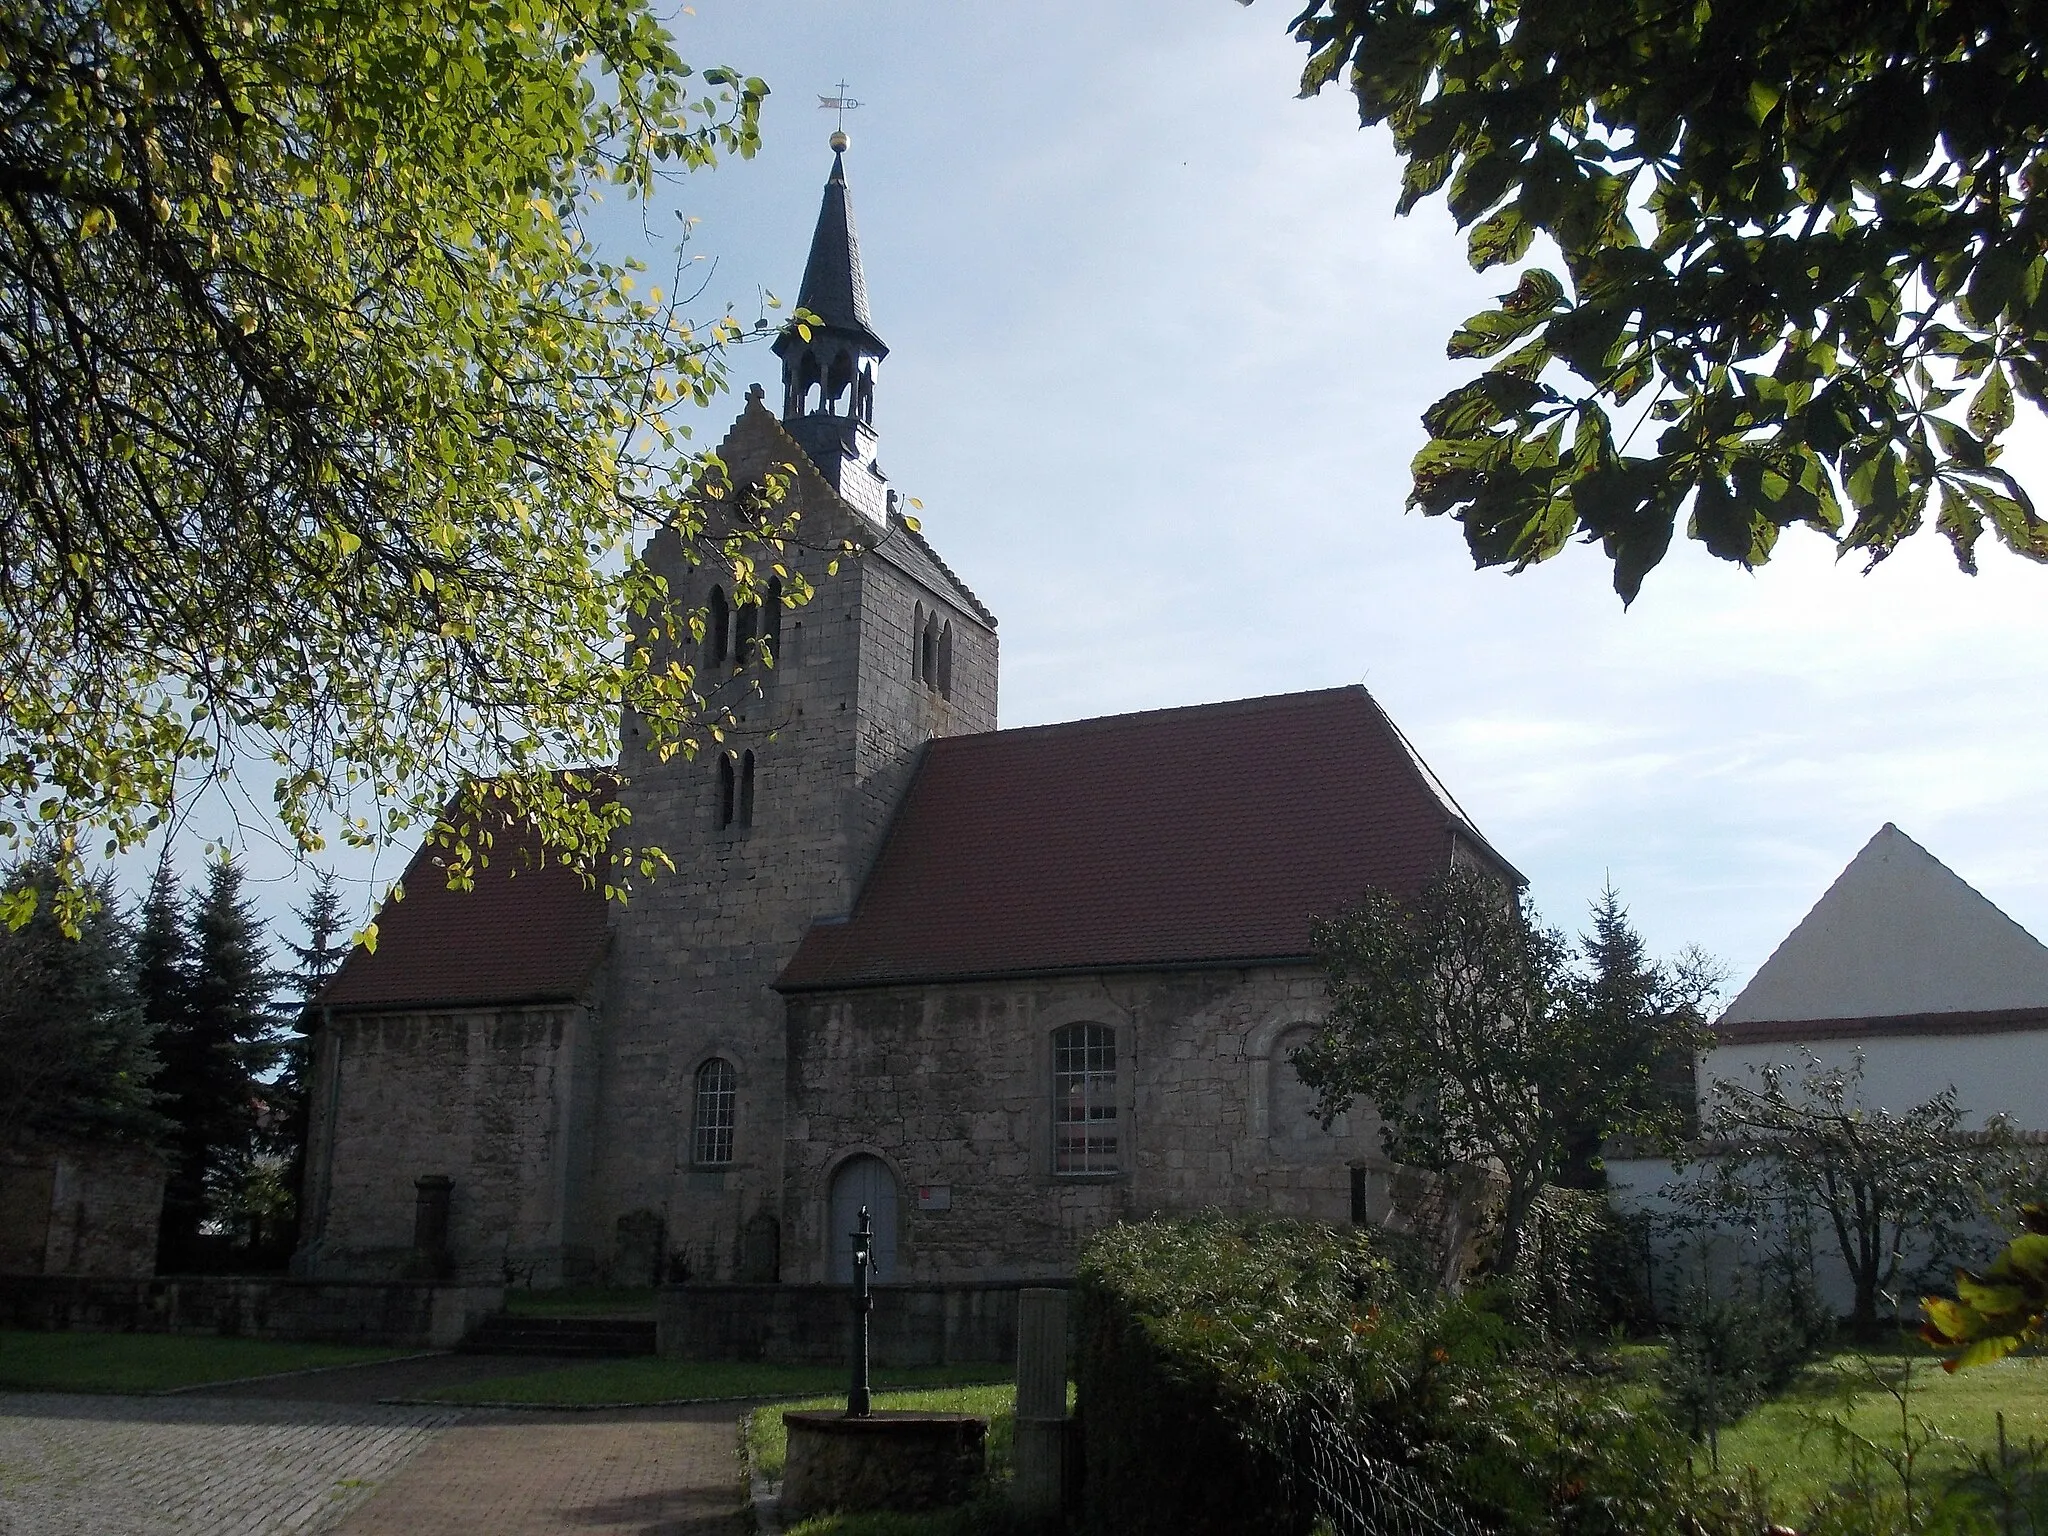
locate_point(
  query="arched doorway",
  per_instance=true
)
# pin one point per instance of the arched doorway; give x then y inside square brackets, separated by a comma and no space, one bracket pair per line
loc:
[863,1181]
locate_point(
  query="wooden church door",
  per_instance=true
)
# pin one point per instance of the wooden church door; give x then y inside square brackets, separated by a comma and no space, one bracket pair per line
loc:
[863,1181]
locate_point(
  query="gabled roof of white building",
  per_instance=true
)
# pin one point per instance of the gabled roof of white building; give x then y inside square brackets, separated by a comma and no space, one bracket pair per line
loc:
[1899,944]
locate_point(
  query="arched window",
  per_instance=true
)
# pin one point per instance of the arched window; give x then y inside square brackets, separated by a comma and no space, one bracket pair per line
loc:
[746,622]
[866,398]
[747,789]
[945,679]
[717,627]
[839,384]
[807,384]
[727,802]
[717,1106]
[771,618]
[928,650]
[917,641]
[1084,1116]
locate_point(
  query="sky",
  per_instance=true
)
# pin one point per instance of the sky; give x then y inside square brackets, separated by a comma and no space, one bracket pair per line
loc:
[1159,349]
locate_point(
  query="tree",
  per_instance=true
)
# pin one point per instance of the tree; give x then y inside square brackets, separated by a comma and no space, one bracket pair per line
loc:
[1464,1022]
[1642,1022]
[1884,1184]
[1999,1310]
[327,441]
[1793,236]
[71,1024]
[284,1131]
[214,1055]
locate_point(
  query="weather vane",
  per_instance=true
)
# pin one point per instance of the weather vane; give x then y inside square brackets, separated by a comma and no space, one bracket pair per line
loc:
[842,104]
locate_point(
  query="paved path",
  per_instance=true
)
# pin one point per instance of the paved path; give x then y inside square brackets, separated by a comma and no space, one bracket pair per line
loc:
[648,1472]
[318,1454]
[165,1466]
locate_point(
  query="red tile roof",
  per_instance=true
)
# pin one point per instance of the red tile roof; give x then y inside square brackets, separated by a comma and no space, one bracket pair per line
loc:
[1177,837]
[530,931]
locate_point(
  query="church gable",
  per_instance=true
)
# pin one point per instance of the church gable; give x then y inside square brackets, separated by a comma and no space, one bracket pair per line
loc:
[1186,837]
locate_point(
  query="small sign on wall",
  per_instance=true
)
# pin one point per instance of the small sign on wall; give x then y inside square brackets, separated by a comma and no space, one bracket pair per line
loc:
[935,1197]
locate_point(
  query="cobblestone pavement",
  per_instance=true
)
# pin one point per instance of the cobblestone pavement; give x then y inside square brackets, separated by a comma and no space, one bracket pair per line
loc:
[166,1466]
[317,1453]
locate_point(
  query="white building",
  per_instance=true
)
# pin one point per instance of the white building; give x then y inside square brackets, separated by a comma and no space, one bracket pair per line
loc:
[1906,965]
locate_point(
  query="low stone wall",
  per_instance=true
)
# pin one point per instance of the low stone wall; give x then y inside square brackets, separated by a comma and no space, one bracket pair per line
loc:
[813,1324]
[254,1307]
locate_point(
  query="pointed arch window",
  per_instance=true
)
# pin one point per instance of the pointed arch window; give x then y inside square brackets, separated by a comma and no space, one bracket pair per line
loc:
[716,1117]
[917,642]
[717,627]
[808,384]
[728,790]
[771,618]
[944,681]
[928,651]
[746,806]
[746,624]
[1084,1100]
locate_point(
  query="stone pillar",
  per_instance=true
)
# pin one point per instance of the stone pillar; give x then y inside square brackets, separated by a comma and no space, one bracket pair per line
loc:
[1039,1487]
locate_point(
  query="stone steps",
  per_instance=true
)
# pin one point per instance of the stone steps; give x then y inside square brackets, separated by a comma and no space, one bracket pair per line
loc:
[591,1338]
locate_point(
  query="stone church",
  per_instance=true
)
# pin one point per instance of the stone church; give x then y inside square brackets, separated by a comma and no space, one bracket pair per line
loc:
[1001,986]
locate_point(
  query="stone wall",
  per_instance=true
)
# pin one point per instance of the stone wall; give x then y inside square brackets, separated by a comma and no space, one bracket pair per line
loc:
[950,1087]
[394,1314]
[487,1098]
[79,1208]
[813,1324]
[833,727]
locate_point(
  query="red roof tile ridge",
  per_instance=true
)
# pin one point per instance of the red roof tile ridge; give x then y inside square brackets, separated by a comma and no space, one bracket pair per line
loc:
[1258,704]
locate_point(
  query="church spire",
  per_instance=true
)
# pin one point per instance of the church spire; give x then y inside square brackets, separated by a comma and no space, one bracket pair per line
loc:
[828,380]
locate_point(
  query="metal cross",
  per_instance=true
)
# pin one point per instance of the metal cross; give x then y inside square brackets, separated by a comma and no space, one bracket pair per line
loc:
[842,104]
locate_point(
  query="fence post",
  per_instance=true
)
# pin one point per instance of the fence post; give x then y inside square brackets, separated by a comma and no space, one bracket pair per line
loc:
[1041,1444]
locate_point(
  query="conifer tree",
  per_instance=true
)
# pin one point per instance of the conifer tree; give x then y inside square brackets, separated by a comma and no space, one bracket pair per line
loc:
[72,1027]
[218,1041]
[317,960]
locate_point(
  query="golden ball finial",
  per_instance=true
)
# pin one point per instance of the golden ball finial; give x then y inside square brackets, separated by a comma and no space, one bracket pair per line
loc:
[839,141]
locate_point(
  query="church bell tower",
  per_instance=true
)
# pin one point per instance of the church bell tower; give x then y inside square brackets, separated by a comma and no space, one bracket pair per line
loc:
[828,377]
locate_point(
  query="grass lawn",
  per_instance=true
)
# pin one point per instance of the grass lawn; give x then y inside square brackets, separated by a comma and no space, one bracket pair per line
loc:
[581,1301]
[1787,1440]
[153,1362]
[656,1381]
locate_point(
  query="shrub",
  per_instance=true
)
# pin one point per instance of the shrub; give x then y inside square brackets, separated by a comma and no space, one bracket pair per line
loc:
[1584,1266]
[1206,1342]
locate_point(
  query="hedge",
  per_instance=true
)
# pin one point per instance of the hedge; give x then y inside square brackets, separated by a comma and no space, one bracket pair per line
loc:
[1204,1342]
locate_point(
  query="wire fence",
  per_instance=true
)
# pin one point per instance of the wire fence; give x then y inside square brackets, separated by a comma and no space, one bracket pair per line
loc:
[1347,1491]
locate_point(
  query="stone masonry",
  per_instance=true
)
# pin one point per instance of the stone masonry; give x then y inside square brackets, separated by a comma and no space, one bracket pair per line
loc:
[834,727]
[951,1086]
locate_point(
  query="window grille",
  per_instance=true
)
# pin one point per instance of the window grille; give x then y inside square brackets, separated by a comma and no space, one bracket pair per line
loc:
[1084,1099]
[717,1101]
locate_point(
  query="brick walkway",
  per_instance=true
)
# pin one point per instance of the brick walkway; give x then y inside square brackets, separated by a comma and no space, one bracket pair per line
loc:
[251,1461]
[648,1472]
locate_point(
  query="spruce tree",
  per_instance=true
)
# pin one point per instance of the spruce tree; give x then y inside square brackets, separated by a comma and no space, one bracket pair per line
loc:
[72,1027]
[317,960]
[218,1041]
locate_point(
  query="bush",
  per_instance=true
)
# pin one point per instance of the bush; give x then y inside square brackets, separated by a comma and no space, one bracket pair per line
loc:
[1584,1267]
[1205,1343]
